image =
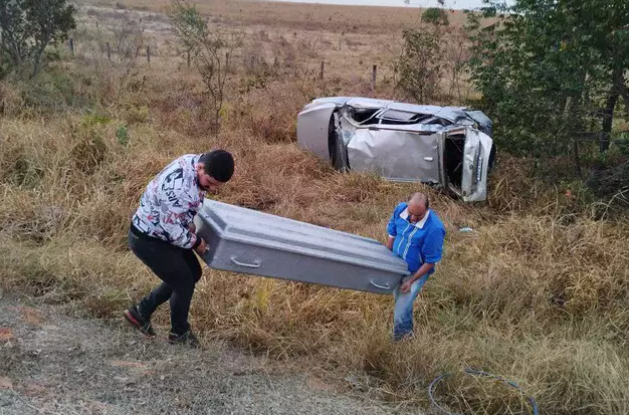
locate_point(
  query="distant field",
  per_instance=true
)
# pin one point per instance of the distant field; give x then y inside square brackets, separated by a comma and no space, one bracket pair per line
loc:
[350,40]
[337,19]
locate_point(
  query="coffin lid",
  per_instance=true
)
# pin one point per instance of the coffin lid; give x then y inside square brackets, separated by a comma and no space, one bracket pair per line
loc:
[251,227]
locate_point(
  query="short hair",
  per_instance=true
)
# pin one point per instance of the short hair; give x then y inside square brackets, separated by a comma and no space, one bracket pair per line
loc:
[219,164]
[420,197]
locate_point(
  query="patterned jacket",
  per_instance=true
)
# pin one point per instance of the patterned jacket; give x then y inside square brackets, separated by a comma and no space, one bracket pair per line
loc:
[170,203]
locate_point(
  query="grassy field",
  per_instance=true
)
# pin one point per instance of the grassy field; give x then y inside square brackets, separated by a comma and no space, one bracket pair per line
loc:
[304,16]
[537,293]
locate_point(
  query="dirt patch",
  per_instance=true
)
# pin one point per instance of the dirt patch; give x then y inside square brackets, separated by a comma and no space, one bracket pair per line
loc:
[54,363]
[6,334]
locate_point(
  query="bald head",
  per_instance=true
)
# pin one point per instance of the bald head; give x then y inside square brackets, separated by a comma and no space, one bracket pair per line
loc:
[417,198]
[417,207]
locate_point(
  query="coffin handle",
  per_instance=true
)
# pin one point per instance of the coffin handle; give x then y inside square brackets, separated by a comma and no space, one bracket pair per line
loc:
[256,263]
[382,287]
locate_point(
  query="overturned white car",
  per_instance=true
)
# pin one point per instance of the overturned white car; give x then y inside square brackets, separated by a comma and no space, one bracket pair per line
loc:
[449,147]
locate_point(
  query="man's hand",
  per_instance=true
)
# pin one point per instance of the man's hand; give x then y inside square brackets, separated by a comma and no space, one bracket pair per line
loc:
[202,248]
[406,286]
[192,228]
[423,270]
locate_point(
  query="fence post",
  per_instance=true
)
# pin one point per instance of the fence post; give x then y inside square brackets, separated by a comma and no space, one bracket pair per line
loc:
[148,54]
[108,51]
[373,77]
[72,46]
[322,69]
[188,58]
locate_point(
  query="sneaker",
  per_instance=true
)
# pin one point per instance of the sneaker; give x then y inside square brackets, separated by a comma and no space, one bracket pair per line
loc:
[188,339]
[134,317]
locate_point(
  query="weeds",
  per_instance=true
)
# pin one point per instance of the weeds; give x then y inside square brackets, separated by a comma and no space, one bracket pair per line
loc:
[537,293]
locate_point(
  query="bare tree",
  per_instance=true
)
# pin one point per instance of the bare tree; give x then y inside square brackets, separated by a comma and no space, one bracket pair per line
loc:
[211,50]
[456,54]
[128,38]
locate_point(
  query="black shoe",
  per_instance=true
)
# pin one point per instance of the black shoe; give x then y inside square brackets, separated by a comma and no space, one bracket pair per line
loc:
[134,317]
[188,339]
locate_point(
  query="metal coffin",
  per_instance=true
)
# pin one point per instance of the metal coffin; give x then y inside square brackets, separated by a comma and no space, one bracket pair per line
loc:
[251,242]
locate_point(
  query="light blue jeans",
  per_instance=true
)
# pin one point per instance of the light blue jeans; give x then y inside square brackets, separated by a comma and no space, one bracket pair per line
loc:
[403,311]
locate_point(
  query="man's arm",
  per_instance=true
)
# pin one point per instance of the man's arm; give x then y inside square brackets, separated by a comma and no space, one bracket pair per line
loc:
[173,223]
[179,234]
[200,245]
[423,270]
[391,229]
[433,248]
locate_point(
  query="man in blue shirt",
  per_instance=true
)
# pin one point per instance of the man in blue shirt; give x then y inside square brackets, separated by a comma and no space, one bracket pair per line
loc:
[416,235]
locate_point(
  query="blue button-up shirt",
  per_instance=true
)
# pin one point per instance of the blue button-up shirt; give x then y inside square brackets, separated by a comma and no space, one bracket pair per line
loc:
[416,243]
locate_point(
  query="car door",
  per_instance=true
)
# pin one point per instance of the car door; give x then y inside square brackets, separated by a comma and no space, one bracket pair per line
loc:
[466,162]
[396,154]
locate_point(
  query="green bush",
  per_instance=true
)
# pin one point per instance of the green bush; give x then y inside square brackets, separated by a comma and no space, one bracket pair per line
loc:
[53,91]
[436,16]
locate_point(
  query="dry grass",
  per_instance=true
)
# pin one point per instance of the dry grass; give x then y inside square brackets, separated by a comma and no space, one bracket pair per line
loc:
[349,40]
[312,17]
[538,293]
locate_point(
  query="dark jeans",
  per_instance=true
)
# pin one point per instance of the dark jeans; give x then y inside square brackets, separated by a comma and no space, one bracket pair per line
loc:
[179,271]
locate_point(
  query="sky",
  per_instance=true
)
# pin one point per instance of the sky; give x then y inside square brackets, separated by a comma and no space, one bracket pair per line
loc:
[451,4]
